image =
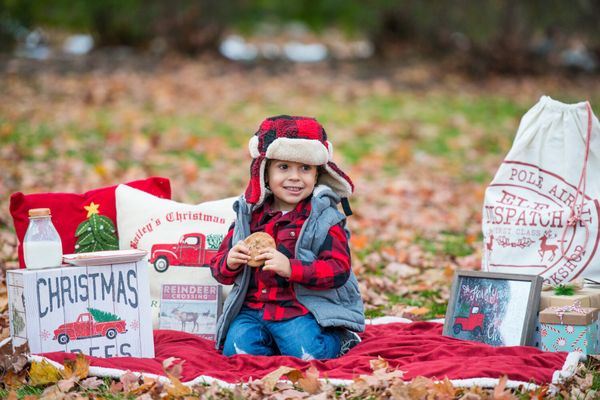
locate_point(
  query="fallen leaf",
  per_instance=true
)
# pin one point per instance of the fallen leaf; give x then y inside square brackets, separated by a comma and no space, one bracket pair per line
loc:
[471,396]
[43,373]
[130,381]
[148,384]
[288,394]
[499,390]
[177,389]
[270,380]
[539,393]
[116,387]
[67,384]
[359,242]
[418,388]
[323,395]
[586,382]
[294,375]
[19,362]
[399,390]
[443,389]
[415,312]
[22,349]
[53,392]
[470,238]
[401,270]
[310,382]
[379,363]
[92,382]
[79,367]
[388,376]
[13,379]
[361,385]
[173,366]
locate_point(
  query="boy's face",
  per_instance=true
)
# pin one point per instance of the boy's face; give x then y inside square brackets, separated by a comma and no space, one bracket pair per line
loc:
[290,182]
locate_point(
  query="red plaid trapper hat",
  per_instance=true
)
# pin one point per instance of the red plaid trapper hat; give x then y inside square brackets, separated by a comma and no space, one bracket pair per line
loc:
[298,139]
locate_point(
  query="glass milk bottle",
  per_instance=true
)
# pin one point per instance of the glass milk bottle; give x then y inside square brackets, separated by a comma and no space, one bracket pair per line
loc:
[42,246]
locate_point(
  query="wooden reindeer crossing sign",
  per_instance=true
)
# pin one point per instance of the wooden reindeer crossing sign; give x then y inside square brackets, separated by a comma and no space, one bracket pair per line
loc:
[191,308]
[101,311]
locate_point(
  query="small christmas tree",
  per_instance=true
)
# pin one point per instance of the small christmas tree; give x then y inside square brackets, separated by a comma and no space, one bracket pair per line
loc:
[464,310]
[96,233]
[103,316]
[214,241]
[18,322]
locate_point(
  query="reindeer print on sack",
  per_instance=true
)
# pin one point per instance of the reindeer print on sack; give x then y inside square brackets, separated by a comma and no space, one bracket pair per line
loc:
[544,246]
[489,245]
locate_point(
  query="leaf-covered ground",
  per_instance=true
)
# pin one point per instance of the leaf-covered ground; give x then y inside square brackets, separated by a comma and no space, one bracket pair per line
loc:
[419,141]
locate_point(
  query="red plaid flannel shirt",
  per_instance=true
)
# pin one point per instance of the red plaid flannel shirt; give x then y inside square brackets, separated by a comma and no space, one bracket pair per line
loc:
[273,293]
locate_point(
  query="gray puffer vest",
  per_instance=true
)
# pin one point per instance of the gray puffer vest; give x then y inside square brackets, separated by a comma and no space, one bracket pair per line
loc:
[340,307]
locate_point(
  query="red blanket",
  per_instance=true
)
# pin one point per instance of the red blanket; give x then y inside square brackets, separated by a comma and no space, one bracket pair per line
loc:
[416,348]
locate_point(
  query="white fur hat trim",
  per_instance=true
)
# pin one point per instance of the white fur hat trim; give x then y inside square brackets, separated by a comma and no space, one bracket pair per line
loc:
[306,151]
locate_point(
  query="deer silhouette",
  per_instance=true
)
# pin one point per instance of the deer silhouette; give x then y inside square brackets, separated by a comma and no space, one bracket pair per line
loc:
[186,317]
[544,247]
[490,243]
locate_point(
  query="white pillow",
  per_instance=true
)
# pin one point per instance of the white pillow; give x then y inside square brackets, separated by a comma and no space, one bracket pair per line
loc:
[185,237]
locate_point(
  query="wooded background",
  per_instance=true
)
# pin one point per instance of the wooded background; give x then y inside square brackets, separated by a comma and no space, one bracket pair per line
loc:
[507,36]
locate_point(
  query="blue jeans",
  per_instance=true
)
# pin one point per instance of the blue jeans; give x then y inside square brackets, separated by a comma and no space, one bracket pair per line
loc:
[300,337]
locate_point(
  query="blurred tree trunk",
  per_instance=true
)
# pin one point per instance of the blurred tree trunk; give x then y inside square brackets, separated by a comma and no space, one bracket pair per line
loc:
[192,27]
[185,26]
[490,35]
[508,52]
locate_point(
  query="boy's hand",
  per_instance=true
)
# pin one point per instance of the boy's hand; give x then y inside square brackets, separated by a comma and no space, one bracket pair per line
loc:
[238,255]
[275,261]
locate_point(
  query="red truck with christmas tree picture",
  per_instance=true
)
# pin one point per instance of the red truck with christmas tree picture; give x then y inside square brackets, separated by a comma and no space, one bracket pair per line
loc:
[193,249]
[473,322]
[90,324]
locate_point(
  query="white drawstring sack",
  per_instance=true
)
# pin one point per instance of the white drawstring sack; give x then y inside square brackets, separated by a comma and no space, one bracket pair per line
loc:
[541,210]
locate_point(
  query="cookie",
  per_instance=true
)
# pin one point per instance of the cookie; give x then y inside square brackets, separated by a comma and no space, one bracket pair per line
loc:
[256,242]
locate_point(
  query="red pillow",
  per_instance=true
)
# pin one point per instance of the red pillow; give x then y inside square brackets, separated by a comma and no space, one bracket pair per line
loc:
[68,209]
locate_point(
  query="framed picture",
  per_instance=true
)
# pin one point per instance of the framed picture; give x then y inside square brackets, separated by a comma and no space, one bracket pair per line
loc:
[494,308]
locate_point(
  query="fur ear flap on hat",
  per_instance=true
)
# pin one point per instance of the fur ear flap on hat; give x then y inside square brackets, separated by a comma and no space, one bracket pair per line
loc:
[298,139]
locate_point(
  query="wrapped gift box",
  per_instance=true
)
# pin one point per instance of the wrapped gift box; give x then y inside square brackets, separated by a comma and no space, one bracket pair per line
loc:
[575,331]
[101,311]
[586,297]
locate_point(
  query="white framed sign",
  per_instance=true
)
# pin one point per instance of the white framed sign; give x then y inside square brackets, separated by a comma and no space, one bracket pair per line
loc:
[101,311]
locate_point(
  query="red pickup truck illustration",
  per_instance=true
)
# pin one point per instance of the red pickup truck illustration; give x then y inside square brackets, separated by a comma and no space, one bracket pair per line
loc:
[86,326]
[193,250]
[474,322]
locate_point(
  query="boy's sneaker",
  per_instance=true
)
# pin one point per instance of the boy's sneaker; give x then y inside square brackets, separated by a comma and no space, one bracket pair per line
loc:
[348,340]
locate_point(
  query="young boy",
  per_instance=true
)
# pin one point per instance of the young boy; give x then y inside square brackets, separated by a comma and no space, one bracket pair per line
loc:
[304,302]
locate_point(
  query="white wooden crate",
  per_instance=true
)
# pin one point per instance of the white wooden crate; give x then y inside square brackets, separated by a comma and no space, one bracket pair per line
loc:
[44,304]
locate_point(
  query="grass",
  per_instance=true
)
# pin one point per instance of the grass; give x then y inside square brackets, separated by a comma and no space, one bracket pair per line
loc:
[376,122]
[439,126]
[424,298]
[23,391]
[449,243]
[102,392]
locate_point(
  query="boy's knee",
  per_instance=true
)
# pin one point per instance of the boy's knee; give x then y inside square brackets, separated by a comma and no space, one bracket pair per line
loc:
[247,342]
[232,348]
[318,348]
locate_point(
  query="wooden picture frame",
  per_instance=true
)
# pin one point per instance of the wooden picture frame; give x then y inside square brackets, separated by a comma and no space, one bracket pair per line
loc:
[494,308]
